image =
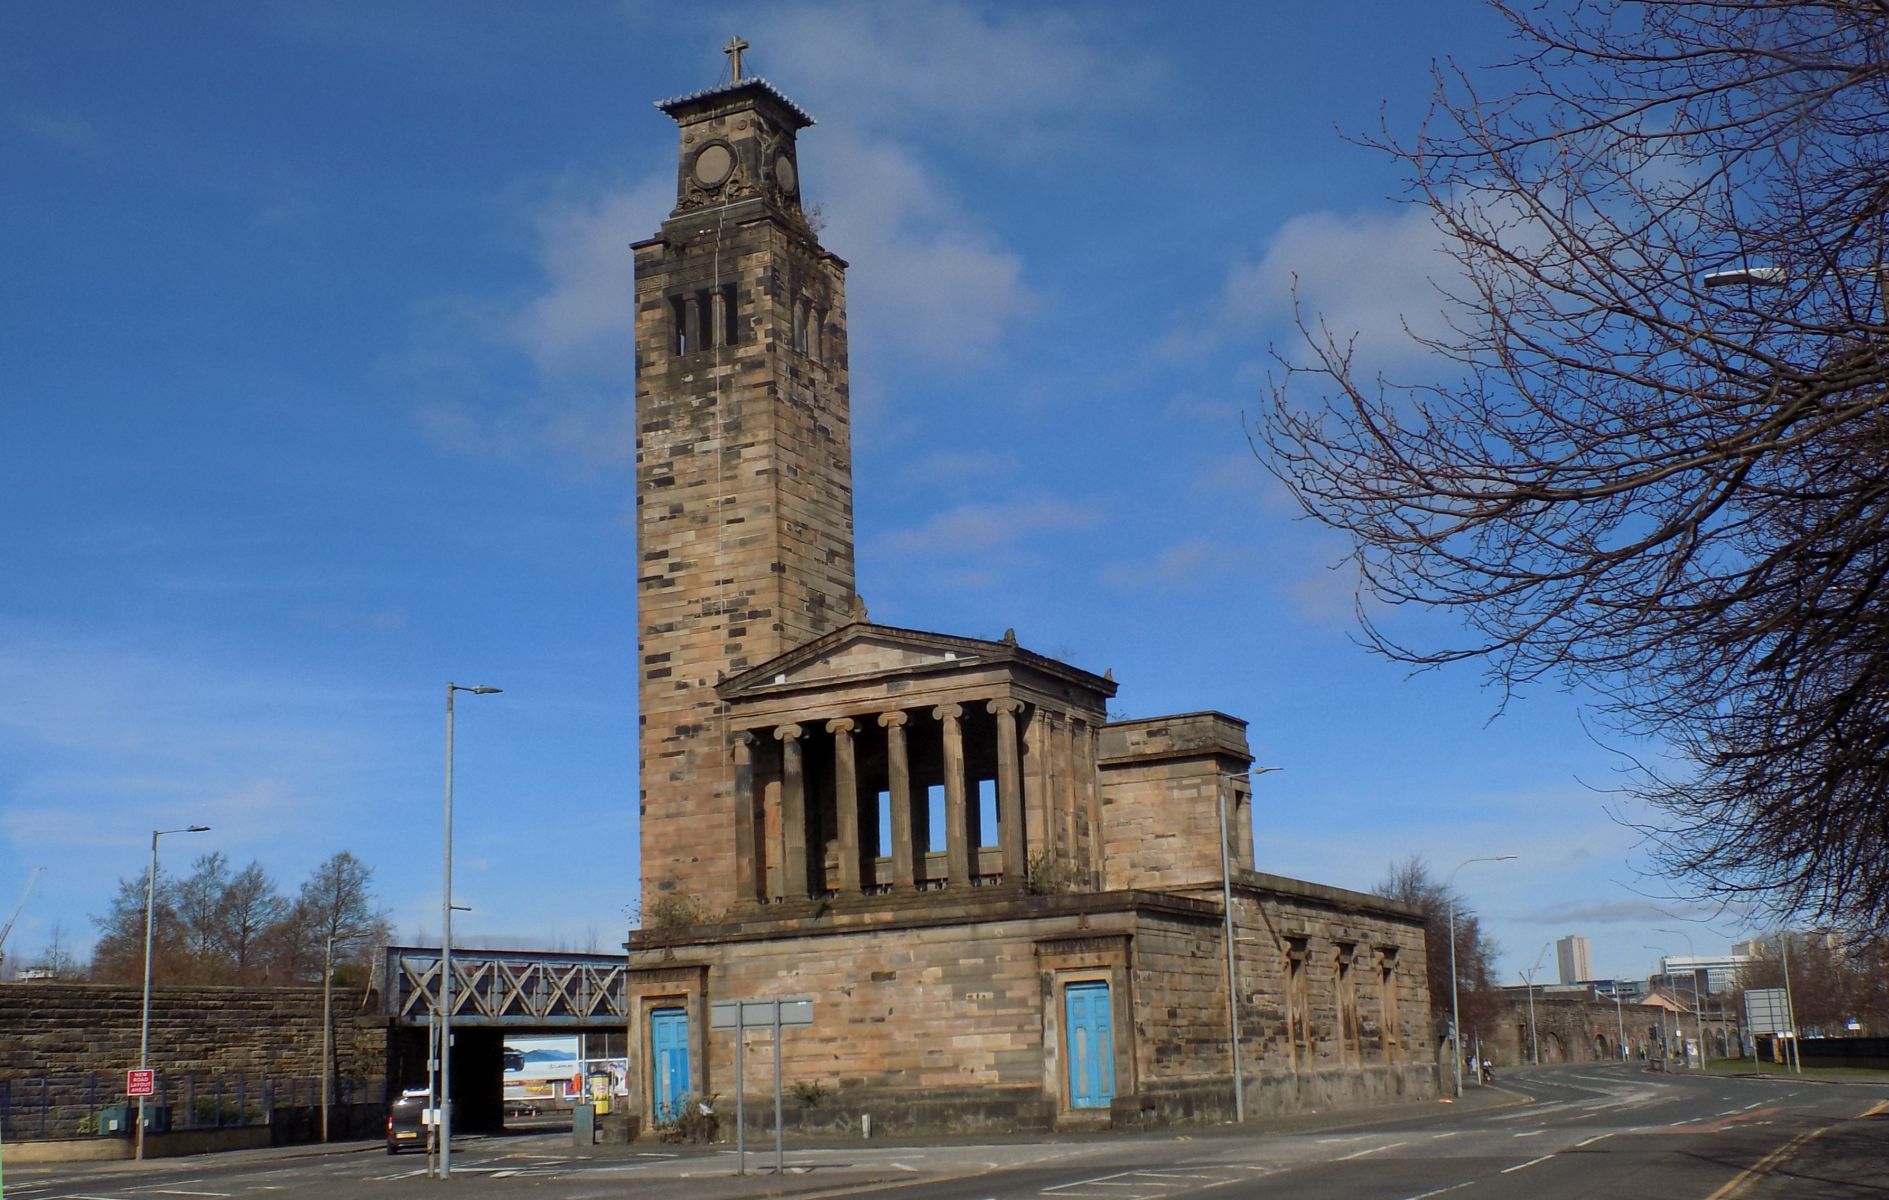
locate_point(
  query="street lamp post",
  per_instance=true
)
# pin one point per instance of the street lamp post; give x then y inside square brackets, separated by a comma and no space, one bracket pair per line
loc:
[444,1118]
[1620,1024]
[327,1032]
[1456,1016]
[1665,971]
[144,1020]
[1698,1002]
[1534,1037]
[1226,911]
[1790,1002]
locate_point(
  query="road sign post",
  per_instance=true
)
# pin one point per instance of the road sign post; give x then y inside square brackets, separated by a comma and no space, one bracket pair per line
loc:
[741,1016]
[1768,1010]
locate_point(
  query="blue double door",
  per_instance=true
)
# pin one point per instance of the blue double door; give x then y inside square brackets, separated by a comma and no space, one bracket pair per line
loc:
[1088,1024]
[669,1061]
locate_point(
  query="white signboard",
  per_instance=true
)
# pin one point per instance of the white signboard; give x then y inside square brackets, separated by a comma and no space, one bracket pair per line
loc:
[1767,1010]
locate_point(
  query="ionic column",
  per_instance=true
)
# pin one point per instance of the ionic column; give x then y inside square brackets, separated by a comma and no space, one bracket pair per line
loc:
[793,814]
[957,826]
[750,872]
[846,801]
[899,783]
[1009,790]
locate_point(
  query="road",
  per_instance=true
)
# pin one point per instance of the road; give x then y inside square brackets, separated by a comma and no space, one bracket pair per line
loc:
[1565,1132]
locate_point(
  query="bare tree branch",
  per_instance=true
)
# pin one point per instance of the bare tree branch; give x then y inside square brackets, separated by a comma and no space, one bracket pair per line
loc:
[1672,495]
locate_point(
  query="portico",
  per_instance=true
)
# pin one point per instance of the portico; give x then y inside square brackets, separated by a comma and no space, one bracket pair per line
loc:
[878,760]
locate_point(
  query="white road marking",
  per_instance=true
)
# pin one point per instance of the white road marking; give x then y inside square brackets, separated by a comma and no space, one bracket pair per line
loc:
[1372,1150]
[1522,1166]
[1590,1141]
[1437,1137]
[1531,1133]
[1171,1175]
[1749,1107]
[1438,1192]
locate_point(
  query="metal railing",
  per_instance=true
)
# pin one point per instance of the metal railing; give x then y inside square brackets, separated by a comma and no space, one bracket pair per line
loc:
[38,1107]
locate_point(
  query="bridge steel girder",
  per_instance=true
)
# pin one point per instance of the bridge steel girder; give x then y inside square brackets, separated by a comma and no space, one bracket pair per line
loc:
[520,988]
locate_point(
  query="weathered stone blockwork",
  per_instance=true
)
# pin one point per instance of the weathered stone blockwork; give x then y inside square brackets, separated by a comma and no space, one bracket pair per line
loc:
[66,1033]
[1165,781]
[942,1012]
[743,462]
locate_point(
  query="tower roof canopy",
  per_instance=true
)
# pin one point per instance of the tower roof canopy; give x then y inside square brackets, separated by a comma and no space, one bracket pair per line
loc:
[753,89]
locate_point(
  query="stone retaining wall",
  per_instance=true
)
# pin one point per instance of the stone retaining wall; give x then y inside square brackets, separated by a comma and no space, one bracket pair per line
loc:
[224,1056]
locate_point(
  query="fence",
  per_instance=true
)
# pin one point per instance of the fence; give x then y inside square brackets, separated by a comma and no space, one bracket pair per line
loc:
[37,1107]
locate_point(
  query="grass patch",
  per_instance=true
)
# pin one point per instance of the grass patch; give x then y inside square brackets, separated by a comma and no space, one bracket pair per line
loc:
[1743,1066]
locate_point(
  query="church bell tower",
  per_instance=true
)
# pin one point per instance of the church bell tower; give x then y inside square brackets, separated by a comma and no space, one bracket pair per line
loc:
[744,495]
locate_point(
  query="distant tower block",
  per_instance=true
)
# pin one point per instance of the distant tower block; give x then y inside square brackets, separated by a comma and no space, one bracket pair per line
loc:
[1575,957]
[743,462]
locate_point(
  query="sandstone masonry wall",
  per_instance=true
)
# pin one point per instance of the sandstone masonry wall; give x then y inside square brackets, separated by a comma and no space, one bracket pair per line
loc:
[64,1049]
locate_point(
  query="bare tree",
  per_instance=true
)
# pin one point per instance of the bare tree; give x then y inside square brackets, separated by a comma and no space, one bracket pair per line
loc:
[118,957]
[1834,981]
[1620,478]
[337,902]
[252,907]
[201,903]
[1478,996]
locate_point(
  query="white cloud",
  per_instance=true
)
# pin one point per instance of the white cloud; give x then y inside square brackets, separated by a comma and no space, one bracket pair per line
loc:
[582,321]
[956,468]
[924,277]
[100,738]
[577,329]
[979,528]
[1185,566]
[583,428]
[997,76]
[68,131]
[1372,275]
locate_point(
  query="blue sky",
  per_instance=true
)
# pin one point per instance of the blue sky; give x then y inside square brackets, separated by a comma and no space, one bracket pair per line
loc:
[316,372]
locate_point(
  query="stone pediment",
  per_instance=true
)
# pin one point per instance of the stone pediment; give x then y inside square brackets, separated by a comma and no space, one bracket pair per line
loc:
[862,651]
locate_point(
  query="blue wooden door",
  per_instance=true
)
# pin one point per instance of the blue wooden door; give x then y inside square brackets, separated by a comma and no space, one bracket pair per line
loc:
[1091,1058]
[669,1056]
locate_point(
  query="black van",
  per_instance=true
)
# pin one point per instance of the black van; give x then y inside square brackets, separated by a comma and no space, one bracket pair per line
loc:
[406,1121]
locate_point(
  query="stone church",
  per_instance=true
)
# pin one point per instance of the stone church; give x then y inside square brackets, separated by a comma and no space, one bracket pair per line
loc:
[1007,910]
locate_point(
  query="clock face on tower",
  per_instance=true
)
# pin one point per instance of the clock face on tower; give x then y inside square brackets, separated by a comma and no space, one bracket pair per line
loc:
[714,163]
[786,175]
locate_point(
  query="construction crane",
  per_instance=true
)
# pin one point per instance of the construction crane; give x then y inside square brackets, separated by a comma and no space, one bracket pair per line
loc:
[24,893]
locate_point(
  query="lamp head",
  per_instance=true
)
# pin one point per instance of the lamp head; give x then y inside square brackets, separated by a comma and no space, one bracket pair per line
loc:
[197,829]
[1748,276]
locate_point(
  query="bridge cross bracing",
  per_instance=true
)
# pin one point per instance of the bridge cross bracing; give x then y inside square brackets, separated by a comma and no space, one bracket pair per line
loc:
[508,988]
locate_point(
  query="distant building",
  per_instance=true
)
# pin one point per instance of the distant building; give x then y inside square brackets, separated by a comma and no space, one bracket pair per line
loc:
[1626,989]
[1720,970]
[1575,955]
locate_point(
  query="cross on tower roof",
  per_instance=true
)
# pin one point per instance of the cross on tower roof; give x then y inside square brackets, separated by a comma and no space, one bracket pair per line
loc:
[733,50]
